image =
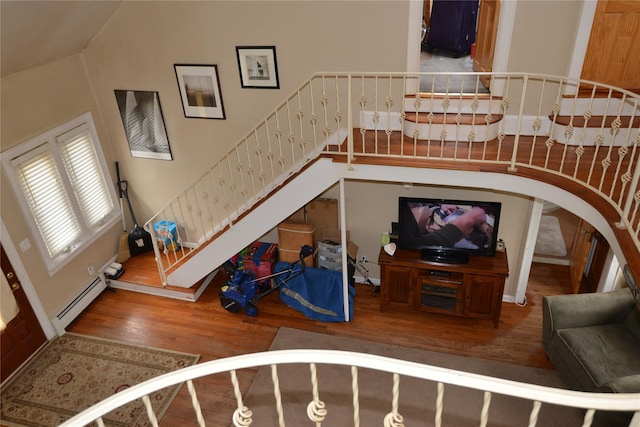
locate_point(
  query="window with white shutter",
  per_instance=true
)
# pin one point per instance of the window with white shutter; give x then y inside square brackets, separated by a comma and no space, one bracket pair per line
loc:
[63,185]
[82,166]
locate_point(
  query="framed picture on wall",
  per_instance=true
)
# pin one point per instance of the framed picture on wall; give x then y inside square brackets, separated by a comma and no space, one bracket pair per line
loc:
[143,124]
[200,91]
[258,67]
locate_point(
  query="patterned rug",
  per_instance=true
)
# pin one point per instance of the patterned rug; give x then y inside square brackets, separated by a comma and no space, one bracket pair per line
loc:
[73,372]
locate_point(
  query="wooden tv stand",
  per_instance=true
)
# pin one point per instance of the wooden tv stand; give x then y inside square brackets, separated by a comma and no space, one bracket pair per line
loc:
[471,290]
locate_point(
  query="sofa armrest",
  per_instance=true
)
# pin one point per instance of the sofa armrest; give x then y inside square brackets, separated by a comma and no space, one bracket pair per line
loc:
[580,310]
[628,384]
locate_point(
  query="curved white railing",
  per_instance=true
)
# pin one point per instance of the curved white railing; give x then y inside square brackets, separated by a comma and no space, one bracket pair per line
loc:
[527,123]
[537,395]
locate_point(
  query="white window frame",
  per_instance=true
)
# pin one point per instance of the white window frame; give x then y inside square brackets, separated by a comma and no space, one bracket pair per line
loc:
[49,143]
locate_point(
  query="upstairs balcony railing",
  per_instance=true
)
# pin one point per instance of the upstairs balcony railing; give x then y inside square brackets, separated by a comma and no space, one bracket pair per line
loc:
[575,134]
[434,378]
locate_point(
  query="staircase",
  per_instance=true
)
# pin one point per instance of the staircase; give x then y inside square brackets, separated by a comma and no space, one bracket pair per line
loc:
[474,118]
[334,124]
[592,119]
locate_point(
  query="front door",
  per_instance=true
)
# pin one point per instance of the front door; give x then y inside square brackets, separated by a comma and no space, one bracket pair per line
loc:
[613,56]
[595,263]
[23,334]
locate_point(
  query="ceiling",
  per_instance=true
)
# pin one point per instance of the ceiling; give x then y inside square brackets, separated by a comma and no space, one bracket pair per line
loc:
[33,33]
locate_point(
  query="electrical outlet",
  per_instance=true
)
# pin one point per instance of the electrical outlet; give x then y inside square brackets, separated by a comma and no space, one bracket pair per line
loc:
[91,269]
[363,258]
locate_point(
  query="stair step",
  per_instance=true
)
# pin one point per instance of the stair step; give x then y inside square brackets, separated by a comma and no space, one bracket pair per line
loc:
[464,104]
[595,121]
[588,131]
[452,127]
[451,118]
[598,106]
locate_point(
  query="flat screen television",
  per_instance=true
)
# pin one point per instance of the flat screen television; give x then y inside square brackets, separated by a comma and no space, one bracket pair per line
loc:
[447,230]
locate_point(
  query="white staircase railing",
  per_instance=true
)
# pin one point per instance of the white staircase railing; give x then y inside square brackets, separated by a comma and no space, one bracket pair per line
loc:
[526,123]
[440,377]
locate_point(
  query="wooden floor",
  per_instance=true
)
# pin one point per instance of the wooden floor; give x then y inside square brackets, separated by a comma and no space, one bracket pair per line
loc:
[205,328]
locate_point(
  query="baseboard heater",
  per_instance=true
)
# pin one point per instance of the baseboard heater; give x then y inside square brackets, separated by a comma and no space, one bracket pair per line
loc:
[78,304]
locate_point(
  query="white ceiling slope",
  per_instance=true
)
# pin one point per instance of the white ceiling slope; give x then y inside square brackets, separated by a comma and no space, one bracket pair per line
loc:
[33,33]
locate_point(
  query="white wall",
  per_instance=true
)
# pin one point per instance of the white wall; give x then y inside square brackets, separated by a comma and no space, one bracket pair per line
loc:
[138,48]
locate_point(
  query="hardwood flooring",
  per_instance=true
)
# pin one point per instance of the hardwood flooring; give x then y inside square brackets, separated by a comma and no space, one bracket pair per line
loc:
[205,328]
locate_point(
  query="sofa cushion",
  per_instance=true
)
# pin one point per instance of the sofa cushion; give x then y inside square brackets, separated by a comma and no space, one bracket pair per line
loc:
[599,354]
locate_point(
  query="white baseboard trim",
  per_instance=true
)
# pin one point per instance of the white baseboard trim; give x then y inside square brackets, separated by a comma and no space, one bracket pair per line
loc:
[509,298]
[360,279]
[78,303]
[511,124]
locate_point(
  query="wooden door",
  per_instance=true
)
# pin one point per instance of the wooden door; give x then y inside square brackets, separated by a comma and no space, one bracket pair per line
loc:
[595,263]
[613,53]
[481,297]
[23,334]
[486,37]
[397,287]
[580,254]
[426,14]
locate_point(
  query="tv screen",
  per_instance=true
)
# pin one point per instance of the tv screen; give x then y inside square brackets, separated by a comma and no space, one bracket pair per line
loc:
[456,225]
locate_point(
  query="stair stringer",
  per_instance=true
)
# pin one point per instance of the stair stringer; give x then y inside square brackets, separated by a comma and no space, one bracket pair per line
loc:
[304,187]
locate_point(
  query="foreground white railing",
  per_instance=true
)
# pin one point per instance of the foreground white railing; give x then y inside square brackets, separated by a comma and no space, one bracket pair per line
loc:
[537,395]
[527,123]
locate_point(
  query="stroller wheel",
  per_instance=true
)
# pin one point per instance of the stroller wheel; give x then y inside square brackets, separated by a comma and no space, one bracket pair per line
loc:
[252,310]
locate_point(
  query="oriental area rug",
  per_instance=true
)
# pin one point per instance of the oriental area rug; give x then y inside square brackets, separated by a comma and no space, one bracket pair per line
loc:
[73,372]
[417,400]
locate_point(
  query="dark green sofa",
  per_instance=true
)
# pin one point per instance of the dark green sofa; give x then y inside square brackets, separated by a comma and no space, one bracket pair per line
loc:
[593,340]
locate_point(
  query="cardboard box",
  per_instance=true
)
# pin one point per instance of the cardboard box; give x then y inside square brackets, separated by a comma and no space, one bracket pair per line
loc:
[292,235]
[323,213]
[335,235]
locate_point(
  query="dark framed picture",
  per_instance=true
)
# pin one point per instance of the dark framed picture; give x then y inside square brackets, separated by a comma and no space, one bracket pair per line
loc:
[200,92]
[258,67]
[144,124]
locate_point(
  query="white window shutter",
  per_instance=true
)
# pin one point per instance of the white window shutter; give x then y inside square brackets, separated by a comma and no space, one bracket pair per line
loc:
[47,199]
[85,176]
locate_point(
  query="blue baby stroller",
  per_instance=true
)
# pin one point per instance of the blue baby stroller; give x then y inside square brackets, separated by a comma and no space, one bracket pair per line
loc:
[244,290]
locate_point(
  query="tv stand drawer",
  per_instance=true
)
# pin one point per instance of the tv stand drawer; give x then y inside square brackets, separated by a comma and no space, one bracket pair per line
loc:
[445,276]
